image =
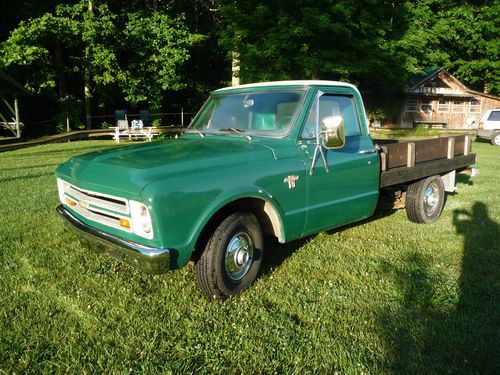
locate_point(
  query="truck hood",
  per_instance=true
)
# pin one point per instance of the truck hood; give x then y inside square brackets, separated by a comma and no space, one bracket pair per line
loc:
[129,169]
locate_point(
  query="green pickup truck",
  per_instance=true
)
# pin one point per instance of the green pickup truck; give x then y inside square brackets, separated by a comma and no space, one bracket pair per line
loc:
[286,159]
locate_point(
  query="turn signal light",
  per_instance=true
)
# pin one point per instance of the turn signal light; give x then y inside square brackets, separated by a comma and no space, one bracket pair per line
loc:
[71,202]
[125,223]
[481,124]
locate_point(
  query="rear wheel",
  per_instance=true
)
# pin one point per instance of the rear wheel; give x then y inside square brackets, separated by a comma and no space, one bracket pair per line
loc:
[495,139]
[425,200]
[231,259]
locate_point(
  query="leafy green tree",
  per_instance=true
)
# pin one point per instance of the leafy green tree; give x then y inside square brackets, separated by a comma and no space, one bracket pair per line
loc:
[81,51]
[160,45]
[462,36]
[93,52]
[313,39]
[470,35]
[15,11]
[73,42]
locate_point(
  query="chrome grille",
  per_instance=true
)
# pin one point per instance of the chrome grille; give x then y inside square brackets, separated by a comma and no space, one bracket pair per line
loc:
[106,202]
[102,208]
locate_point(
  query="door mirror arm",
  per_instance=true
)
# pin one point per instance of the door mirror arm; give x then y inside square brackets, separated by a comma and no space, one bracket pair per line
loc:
[331,136]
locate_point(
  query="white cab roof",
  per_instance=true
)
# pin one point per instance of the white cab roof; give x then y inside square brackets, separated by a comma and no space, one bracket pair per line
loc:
[290,83]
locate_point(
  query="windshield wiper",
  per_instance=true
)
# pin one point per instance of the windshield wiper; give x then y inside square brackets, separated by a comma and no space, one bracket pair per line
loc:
[237,131]
[202,135]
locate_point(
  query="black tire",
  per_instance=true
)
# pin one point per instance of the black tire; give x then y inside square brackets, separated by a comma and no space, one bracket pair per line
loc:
[495,139]
[232,257]
[425,200]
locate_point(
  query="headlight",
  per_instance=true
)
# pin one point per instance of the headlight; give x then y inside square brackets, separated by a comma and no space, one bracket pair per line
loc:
[60,190]
[141,220]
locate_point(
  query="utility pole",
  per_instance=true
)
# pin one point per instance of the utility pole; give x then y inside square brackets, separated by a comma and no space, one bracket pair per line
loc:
[86,91]
[16,110]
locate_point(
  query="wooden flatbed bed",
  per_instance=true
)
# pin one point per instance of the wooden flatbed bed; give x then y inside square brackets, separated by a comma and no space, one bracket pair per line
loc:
[405,161]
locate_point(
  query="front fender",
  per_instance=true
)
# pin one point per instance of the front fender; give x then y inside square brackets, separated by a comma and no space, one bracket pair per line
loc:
[272,209]
[180,216]
[183,205]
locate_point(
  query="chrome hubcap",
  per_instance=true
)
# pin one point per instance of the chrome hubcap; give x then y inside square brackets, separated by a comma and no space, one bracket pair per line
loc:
[431,199]
[497,140]
[239,256]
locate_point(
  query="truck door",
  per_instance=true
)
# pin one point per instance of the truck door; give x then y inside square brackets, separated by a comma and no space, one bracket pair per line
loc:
[348,191]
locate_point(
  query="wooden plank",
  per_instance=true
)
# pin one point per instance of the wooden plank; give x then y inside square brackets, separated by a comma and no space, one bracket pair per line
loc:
[430,149]
[7,104]
[404,174]
[459,145]
[451,147]
[397,155]
[410,154]
[383,158]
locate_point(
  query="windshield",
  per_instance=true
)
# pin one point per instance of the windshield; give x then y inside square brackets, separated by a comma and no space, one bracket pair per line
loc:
[264,113]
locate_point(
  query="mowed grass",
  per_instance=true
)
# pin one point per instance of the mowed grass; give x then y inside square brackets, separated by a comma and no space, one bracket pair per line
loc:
[381,296]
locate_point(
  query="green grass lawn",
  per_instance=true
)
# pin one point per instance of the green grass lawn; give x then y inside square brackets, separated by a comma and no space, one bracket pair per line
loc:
[420,132]
[382,296]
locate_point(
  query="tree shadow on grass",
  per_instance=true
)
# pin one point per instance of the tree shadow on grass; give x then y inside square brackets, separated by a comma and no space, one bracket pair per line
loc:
[434,330]
[29,167]
[26,177]
[276,253]
[465,179]
[78,150]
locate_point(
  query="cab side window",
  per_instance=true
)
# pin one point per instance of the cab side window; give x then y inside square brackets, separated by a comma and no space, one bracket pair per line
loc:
[333,105]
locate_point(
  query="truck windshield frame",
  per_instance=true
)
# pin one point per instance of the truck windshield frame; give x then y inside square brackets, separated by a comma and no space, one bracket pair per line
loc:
[257,113]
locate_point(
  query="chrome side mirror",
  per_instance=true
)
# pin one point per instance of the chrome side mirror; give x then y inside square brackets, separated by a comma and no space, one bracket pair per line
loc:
[333,132]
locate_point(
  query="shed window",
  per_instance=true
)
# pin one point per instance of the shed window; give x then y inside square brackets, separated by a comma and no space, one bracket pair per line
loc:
[411,105]
[458,106]
[426,105]
[475,106]
[443,106]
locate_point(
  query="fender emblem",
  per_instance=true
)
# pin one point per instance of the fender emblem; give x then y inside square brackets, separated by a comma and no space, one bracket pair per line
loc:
[291,181]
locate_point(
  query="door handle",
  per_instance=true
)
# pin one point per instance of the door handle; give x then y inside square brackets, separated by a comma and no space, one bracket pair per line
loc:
[368,151]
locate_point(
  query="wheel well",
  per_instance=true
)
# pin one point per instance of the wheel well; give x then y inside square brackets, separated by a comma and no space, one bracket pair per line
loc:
[264,212]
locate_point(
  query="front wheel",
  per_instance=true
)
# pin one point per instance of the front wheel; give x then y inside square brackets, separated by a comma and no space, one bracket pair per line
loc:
[425,200]
[231,259]
[495,139]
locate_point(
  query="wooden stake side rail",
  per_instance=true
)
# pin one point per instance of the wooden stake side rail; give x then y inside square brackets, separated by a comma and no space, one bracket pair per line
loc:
[405,174]
[409,161]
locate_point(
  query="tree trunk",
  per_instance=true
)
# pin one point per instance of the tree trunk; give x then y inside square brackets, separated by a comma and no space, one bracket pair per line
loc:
[86,90]
[235,79]
[88,103]
[60,71]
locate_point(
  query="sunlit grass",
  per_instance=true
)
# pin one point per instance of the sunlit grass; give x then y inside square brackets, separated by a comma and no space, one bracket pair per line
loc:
[419,132]
[381,296]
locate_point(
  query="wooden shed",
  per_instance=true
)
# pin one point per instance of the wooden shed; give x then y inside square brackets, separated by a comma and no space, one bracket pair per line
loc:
[10,90]
[440,100]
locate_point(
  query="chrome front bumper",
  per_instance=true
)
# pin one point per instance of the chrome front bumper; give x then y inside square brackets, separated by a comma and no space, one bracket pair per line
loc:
[148,259]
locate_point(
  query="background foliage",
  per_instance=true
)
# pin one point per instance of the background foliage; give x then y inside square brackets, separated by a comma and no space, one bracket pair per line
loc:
[162,55]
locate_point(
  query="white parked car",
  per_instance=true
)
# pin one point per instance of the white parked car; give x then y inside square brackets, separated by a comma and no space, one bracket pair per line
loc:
[489,126]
